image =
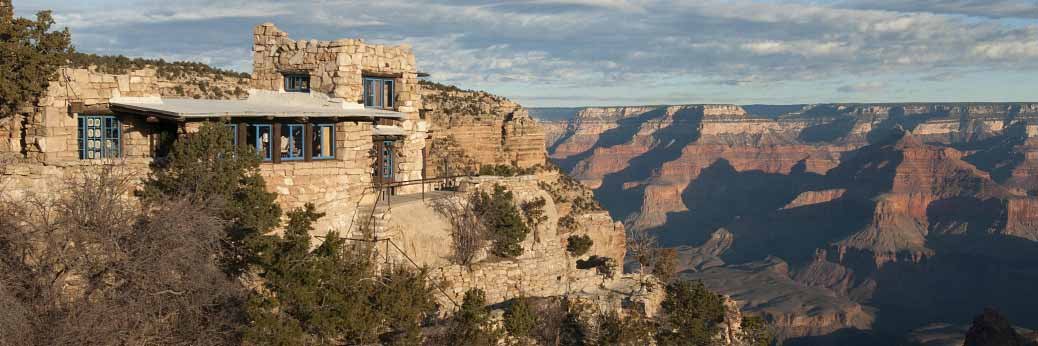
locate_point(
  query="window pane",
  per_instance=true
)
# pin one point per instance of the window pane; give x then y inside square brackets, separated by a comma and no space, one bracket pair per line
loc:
[292,141]
[322,141]
[259,139]
[388,95]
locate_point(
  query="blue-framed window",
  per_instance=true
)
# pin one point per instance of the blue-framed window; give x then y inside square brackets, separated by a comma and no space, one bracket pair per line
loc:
[99,137]
[323,141]
[297,82]
[387,159]
[259,138]
[293,146]
[379,92]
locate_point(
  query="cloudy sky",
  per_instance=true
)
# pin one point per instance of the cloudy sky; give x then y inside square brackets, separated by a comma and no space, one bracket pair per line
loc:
[620,52]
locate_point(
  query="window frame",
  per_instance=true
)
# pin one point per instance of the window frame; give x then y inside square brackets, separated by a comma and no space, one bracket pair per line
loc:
[269,157]
[291,87]
[315,131]
[371,100]
[291,141]
[234,132]
[109,128]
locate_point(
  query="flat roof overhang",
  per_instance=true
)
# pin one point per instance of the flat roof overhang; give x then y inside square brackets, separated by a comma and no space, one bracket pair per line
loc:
[188,109]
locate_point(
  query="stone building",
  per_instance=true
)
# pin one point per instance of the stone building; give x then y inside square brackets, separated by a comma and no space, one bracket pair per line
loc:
[329,118]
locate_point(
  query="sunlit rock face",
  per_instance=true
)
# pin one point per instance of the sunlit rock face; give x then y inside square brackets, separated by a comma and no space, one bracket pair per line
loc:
[901,214]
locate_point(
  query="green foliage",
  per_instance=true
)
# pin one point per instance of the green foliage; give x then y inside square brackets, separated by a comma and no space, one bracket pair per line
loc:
[634,330]
[665,264]
[755,331]
[533,211]
[472,325]
[498,170]
[503,221]
[332,294]
[30,55]
[118,64]
[578,245]
[520,318]
[693,314]
[207,168]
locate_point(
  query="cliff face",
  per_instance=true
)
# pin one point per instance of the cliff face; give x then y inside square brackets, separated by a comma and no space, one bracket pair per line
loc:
[483,129]
[892,211]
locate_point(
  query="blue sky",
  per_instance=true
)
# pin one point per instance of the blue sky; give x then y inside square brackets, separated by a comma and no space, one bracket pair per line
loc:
[620,52]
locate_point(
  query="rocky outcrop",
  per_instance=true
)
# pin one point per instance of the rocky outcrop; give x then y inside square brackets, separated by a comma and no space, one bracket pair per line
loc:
[485,129]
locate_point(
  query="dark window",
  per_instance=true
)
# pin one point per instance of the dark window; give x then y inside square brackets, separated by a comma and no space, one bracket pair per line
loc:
[99,137]
[378,92]
[292,143]
[323,140]
[387,159]
[259,137]
[297,83]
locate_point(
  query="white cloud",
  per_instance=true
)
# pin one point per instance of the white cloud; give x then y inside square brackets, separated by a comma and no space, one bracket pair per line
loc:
[585,42]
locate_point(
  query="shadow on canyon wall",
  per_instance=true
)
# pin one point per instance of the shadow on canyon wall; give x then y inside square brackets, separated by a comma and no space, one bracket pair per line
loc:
[667,145]
[624,132]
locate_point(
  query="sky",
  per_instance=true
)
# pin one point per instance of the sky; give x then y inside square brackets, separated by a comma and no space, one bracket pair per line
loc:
[558,53]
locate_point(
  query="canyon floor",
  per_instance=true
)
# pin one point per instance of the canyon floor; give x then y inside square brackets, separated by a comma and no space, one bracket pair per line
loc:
[839,223]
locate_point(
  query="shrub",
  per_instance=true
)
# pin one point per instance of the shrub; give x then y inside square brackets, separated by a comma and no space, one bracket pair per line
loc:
[208,169]
[520,318]
[471,325]
[503,222]
[755,331]
[665,264]
[331,294]
[692,312]
[498,170]
[533,211]
[468,233]
[578,245]
[634,330]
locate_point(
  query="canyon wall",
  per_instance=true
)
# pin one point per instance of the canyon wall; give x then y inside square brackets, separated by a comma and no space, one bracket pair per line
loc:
[859,211]
[480,129]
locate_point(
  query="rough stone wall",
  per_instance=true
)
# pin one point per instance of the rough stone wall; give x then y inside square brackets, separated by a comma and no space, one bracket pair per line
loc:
[336,69]
[50,130]
[489,129]
[334,186]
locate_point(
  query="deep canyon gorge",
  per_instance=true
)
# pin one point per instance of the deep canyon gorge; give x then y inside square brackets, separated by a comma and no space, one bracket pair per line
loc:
[840,223]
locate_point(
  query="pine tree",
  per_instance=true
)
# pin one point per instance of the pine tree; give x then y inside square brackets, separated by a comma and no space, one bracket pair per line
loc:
[207,168]
[30,55]
[503,220]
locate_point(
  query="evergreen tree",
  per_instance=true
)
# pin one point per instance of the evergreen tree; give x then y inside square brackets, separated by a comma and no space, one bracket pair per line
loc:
[693,314]
[207,168]
[332,294]
[30,55]
[503,220]
[471,325]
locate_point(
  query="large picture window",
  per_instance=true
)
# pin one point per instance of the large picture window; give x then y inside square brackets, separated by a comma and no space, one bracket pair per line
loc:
[323,140]
[259,137]
[292,143]
[378,92]
[99,137]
